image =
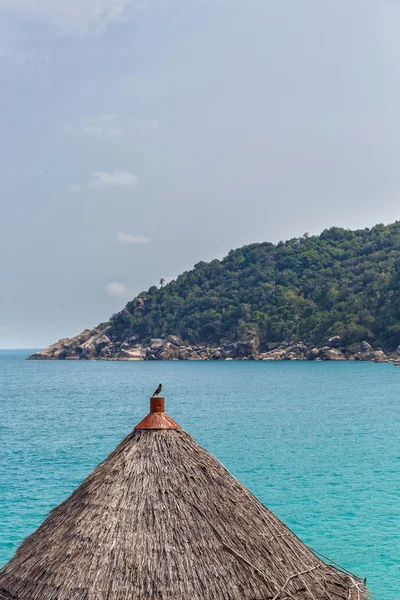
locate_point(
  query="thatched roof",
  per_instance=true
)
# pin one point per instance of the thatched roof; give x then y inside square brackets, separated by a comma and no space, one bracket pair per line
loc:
[162,519]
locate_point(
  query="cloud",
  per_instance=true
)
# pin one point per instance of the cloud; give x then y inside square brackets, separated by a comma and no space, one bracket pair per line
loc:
[116,290]
[111,126]
[74,16]
[101,126]
[115,178]
[142,123]
[133,239]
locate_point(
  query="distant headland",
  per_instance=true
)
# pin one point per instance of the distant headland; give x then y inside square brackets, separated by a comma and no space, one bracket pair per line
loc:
[335,296]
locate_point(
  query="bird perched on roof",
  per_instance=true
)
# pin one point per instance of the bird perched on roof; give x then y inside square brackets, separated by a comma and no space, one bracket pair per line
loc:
[158,390]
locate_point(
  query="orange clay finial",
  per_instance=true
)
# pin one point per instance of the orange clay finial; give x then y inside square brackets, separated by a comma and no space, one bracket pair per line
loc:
[157,418]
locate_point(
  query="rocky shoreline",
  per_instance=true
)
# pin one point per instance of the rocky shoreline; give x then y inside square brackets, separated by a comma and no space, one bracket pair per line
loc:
[98,344]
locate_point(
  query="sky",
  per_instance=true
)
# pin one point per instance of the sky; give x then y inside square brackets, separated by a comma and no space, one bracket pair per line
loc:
[139,137]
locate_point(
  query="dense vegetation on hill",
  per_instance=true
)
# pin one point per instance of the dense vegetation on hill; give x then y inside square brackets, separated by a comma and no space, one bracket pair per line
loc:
[341,282]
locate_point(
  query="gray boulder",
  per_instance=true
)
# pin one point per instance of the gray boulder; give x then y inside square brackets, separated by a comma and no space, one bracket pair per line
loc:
[101,343]
[274,355]
[84,336]
[168,352]
[375,355]
[300,347]
[132,354]
[88,351]
[246,348]
[365,347]
[175,340]
[335,342]
[313,354]
[157,343]
[353,349]
[297,351]
[327,353]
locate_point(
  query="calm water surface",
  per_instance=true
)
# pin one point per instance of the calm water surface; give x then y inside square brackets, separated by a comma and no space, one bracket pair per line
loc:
[318,443]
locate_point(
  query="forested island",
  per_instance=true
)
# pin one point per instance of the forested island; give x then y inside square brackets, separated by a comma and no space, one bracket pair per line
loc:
[332,296]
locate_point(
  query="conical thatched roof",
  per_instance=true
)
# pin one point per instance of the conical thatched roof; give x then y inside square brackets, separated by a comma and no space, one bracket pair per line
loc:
[162,519]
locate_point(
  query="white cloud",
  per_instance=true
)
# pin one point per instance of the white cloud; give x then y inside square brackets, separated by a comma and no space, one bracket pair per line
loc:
[116,290]
[100,131]
[133,239]
[111,126]
[115,178]
[73,16]
[101,126]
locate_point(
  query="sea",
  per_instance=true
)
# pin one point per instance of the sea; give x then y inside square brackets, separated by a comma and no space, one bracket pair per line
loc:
[316,442]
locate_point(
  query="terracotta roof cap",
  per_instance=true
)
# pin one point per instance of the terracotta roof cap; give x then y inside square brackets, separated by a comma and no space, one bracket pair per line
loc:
[157,418]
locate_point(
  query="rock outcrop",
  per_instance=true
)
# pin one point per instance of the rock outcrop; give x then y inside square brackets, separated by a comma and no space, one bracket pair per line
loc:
[102,344]
[335,342]
[328,353]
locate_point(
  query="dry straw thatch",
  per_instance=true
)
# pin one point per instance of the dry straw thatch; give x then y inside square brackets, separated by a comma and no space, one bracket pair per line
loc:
[162,519]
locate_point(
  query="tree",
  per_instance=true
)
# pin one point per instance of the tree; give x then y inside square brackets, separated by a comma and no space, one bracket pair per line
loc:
[341,282]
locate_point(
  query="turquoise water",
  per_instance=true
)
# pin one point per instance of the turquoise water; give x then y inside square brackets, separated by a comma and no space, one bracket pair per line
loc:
[318,443]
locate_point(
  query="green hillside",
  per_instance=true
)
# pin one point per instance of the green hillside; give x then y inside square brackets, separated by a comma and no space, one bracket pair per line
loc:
[341,282]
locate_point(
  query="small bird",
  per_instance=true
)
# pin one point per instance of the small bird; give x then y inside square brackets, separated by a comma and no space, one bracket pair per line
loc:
[158,390]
